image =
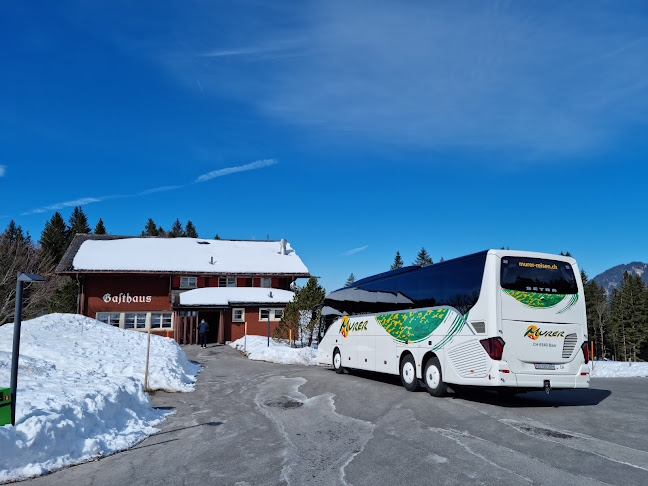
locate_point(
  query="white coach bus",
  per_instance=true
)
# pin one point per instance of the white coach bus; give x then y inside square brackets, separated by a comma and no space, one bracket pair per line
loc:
[507,320]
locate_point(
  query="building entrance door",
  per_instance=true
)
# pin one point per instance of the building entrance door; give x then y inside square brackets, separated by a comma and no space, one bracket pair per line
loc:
[212,318]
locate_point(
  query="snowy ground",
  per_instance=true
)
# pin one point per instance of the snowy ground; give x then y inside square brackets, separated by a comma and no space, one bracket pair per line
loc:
[618,369]
[80,391]
[279,352]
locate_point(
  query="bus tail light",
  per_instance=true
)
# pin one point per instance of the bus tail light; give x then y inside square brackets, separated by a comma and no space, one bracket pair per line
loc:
[494,347]
[585,349]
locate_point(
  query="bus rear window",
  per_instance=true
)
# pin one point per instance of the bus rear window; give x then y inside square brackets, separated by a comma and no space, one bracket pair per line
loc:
[537,275]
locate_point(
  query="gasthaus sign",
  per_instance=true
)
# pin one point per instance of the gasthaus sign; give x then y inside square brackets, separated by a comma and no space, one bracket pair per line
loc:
[126,298]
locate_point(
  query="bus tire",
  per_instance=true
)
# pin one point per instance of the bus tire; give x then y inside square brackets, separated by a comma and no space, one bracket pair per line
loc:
[408,373]
[337,362]
[433,378]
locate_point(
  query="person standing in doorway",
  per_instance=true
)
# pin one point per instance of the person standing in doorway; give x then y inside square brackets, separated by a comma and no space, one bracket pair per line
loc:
[203,327]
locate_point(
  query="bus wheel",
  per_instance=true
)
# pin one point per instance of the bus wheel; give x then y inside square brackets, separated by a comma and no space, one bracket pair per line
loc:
[433,378]
[408,373]
[337,362]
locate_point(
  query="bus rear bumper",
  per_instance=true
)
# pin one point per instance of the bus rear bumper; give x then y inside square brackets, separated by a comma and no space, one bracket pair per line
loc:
[580,380]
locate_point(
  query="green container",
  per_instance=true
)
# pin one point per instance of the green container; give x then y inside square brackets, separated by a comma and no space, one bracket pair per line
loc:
[5,406]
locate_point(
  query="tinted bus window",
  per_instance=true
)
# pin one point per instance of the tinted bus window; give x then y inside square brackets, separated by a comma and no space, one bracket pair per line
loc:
[456,283]
[538,275]
[463,280]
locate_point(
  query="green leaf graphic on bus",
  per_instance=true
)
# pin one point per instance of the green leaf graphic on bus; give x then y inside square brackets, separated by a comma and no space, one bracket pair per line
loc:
[535,299]
[570,302]
[412,326]
[543,301]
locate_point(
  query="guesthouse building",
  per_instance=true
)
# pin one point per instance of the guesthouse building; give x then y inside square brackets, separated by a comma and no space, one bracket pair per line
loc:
[167,285]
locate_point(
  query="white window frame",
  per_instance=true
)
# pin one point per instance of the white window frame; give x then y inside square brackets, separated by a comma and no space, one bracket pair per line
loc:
[166,316]
[273,317]
[226,281]
[110,318]
[242,318]
[188,284]
[137,322]
[267,280]
[163,317]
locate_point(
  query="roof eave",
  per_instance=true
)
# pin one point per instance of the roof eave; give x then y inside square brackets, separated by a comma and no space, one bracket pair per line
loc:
[180,272]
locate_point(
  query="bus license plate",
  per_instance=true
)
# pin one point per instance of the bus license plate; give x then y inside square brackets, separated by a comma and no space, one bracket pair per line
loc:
[543,366]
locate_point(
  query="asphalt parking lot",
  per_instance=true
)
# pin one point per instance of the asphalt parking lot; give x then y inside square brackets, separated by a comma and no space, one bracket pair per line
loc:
[256,423]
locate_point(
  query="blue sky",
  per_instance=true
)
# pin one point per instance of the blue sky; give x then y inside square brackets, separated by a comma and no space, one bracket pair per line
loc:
[352,129]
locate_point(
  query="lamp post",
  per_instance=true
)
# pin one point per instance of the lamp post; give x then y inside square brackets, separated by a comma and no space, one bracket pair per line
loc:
[22,278]
[268,327]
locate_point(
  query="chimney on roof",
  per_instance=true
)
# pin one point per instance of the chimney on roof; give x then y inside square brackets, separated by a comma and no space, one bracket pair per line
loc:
[212,260]
[282,246]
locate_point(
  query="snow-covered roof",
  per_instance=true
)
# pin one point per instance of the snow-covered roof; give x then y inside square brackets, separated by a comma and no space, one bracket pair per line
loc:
[359,295]
[191,255]
[225,296]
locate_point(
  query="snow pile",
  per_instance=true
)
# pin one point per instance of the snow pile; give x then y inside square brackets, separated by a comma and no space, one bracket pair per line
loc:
[618,369]
[279,352]
[80,391]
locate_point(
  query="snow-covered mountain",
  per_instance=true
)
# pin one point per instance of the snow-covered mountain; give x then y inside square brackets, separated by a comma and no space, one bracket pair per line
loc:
[611,278]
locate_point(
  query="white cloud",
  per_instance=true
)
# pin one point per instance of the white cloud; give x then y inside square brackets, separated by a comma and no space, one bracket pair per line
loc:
[355,250]
[3,169]
[259,164]
[77,202]
[158,189]
[492,75]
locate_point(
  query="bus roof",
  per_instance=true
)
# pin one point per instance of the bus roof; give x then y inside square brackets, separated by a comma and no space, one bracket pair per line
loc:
[411,268]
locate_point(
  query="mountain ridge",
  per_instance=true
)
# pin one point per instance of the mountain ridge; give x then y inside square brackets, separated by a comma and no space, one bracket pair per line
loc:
[611,278]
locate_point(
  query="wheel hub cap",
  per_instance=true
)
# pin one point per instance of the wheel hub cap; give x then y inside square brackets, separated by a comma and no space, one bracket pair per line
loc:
[408,372]
[432,377]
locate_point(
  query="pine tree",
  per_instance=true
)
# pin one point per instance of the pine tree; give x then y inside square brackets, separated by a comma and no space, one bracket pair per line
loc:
[14,233]
[190,230]
[350,280]
[19,254]
[176,230]
[596,311]
[312,294]
[54,238]
[441,259]
[100,229]
[64,297]
[398,262]
[298,314]
[423,258]
[217,237]
[629,315]
[77,224]
[150,229]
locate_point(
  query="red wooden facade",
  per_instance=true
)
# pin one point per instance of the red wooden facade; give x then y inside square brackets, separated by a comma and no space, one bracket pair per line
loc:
[133,293]
[144,298]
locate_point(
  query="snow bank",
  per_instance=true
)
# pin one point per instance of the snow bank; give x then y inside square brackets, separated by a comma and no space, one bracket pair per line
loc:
[80,391]
[618,369]
[278,352]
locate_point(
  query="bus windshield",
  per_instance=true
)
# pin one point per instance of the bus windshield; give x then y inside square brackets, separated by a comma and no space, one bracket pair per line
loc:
[537,275]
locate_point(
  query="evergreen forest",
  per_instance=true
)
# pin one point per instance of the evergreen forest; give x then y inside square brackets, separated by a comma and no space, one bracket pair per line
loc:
[20,253]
